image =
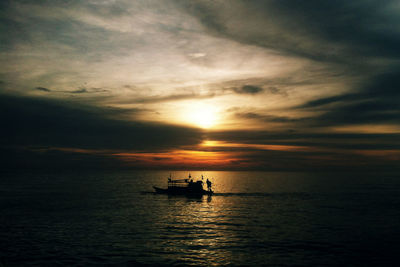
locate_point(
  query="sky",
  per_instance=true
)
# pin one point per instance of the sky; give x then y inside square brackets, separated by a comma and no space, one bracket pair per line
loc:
[207,85]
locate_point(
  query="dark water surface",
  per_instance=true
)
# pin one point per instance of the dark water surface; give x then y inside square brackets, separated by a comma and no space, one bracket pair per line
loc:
[255,218]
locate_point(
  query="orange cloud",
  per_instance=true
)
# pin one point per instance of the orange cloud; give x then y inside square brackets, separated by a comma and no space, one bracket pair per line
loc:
[255,146]
[183,158]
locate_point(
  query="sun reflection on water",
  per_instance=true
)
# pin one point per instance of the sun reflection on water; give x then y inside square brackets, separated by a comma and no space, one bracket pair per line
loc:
[240,217]
[202,231]
[199,231]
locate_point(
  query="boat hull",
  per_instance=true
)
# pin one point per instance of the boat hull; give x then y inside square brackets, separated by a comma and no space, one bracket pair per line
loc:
[182,191]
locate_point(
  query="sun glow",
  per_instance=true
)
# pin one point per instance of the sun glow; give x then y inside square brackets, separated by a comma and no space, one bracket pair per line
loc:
[204,116]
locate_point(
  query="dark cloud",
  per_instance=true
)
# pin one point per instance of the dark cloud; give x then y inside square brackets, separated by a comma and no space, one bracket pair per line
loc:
[44,89]
[248,89]
[245,89]
[377,102]
[266,118]
[371,112]
[39,122]
[319,140]
[384,87]
[80,91]
[45,158]
[274,90]
[87,91]
[319,30]
[329,100]
[257,85]
[98,90]
[318,152]
[364,27]
[166,98]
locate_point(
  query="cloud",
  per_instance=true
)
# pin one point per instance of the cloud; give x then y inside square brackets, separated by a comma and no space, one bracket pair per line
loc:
[47,158]
[329,100]
[84,90]
[376,102]
[294,70]
[197,55]
[248,89]
[319,149]
[321,31]
[39,122]
[80,91]
[39,132]
[267,118]
[304,138]
[43,89]
[165,98]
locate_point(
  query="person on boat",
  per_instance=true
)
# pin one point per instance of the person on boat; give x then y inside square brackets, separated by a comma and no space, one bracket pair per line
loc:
[208,185]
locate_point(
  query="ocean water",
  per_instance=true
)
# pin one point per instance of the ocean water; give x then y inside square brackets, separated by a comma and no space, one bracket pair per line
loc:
[254,219]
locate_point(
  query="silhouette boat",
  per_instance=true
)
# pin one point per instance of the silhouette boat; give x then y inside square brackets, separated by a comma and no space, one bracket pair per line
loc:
[186,187]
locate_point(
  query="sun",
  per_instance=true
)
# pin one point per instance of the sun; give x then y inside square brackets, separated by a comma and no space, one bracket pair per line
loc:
[204,116]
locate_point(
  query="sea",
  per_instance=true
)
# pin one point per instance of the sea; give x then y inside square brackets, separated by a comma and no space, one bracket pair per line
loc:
[113,218]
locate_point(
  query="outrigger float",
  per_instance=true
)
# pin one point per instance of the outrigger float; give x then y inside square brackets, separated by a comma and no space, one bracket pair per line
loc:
[185,187]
